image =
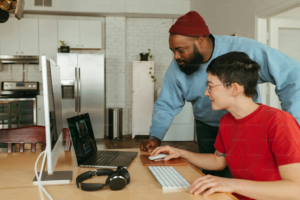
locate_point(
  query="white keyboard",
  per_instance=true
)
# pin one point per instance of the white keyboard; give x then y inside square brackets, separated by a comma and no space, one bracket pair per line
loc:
[168,177]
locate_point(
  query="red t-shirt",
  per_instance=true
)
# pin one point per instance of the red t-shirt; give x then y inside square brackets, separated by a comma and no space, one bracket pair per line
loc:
[257,144]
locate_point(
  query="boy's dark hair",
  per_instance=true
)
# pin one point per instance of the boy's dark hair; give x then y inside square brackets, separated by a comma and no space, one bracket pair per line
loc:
[236,67]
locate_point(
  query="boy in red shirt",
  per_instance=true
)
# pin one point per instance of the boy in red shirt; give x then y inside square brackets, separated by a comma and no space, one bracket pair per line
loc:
[260,144]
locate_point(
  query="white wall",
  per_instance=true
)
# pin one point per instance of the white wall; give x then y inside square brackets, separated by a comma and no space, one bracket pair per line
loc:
[130,7]
[265,8]
[227,17]
[289,42]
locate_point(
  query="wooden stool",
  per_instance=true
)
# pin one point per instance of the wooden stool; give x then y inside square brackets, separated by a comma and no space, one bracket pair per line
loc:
[23,135]
[9,115]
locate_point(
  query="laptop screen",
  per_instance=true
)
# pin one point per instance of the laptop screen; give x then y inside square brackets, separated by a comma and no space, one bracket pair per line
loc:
[82,136]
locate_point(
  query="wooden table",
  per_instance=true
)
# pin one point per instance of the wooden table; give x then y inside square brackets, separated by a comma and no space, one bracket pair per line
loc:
[17,173]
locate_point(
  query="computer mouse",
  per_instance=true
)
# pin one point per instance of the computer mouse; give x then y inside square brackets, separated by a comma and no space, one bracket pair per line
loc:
[158,157]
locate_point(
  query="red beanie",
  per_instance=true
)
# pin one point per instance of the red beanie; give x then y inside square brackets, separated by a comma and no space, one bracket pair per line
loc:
[190,24]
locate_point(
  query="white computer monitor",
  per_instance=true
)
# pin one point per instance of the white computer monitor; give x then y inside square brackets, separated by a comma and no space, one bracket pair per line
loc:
[55,87]
[51,84]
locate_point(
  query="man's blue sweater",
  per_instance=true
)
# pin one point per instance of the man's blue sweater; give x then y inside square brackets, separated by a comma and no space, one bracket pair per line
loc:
[276,68]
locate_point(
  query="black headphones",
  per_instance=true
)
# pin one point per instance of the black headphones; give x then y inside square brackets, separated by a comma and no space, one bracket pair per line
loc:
[116,180]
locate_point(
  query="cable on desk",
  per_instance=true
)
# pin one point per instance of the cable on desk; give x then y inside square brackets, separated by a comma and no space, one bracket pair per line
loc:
[39,177]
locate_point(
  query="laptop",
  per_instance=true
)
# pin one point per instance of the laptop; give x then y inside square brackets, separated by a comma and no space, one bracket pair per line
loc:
[87,154]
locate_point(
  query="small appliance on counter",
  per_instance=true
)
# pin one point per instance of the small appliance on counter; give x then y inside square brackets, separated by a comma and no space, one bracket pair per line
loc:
[21,89]
[25,93]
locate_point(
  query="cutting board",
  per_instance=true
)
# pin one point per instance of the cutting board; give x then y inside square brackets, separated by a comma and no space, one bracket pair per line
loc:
[177,161]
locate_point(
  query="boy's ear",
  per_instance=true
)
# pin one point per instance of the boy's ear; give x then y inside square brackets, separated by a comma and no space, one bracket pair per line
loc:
[236,89]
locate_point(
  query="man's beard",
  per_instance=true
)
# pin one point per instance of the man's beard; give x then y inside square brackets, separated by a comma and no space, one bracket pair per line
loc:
[189,67]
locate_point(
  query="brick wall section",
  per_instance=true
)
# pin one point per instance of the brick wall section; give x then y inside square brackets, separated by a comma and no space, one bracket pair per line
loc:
[11,73]
[115,64]
[115,61]
[143,34]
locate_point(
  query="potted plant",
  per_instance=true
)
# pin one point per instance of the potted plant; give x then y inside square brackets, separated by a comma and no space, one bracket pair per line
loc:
[64,48]
[144,56]
[151,71]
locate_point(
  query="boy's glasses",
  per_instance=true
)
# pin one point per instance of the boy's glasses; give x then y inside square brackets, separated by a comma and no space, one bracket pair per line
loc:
[208,87]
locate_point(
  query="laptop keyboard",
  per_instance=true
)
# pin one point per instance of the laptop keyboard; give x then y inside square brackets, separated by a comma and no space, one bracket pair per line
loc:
[106,157]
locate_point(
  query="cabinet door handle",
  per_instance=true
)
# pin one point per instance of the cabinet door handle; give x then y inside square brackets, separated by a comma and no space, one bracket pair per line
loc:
[21,52]
[16,52]
[81,45]
[76,90]
[79,90]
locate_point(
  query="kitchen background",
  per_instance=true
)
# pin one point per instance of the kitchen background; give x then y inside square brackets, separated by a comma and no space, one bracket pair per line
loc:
[134,26]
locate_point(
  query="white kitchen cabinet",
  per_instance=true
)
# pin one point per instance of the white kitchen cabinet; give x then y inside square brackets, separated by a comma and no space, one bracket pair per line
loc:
[142,97]
[10,37]
[19,37]
[90,34]
[48,39]
[79,33]
[68,31]
[40,110]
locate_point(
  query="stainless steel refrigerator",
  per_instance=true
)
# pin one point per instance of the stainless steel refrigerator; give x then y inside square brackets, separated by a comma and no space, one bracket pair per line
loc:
[82,82]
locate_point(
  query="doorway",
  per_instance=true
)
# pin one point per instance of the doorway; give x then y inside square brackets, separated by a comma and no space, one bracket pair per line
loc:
[282,32]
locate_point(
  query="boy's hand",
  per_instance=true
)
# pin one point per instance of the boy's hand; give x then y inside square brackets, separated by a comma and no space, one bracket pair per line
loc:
[211,184]
[173,152]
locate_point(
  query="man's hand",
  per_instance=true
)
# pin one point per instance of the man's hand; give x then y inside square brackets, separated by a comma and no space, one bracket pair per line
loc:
[211,184]
[149,145]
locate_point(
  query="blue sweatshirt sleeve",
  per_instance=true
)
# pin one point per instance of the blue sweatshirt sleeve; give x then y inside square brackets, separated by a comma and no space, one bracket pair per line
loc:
[284,72]
[169,103]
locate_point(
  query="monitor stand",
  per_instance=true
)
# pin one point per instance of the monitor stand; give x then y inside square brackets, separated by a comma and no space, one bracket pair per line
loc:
[58,177]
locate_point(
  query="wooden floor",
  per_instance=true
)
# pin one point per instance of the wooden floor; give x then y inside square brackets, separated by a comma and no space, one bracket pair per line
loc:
[128,142]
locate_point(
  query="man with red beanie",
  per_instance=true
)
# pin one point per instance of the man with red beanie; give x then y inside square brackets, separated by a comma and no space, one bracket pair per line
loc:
[194,47]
